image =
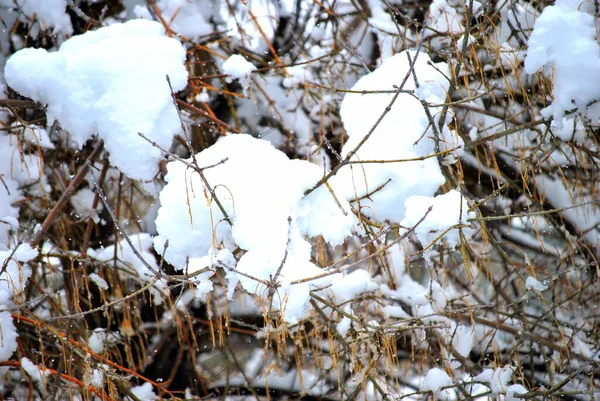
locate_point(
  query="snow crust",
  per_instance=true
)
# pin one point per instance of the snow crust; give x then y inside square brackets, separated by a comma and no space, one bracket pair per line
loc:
[94,83]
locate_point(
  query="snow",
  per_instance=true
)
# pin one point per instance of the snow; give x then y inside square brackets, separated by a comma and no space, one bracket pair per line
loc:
[237,67]
[443,18]
[404,133]
[435,379]
[250,24]
[8,336]
[463,339]
[532,284]
[100,339]
[50,13]
[14,271]
[258,186]
[348,286]
[187,18]
[111,83]
[497,378]
[128,260]
[37,374]
[82,201]
[448,210]
[344,324]
[94,84]
[203,96]
[99,281]
[585,216]
[9,192]
[143,392]
[94,377]
[563,44]
[283,105]
[17,169]
[37,136]
[515,389]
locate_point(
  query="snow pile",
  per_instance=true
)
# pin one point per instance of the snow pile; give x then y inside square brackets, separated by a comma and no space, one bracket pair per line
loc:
[237,67]
[404,133]
[262,193]
[564,43]
[112,82]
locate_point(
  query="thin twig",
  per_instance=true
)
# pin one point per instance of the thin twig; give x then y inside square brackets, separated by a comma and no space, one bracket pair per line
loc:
[73,185]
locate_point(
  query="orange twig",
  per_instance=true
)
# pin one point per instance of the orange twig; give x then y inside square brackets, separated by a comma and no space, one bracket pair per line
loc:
[66,377]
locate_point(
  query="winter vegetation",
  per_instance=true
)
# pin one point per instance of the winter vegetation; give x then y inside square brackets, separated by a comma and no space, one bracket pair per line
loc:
[312,199]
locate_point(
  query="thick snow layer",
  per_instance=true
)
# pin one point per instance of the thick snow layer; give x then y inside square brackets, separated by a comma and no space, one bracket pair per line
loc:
[404,133]
[112,82]
[262,193]
[564,41]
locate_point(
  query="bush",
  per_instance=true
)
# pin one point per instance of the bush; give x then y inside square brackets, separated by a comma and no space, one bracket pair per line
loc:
[345,200]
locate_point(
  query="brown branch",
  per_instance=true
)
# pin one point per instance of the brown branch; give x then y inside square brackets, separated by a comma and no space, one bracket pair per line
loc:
[73,185]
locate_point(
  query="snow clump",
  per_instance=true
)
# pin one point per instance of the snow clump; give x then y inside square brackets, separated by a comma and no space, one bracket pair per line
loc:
[112,82]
